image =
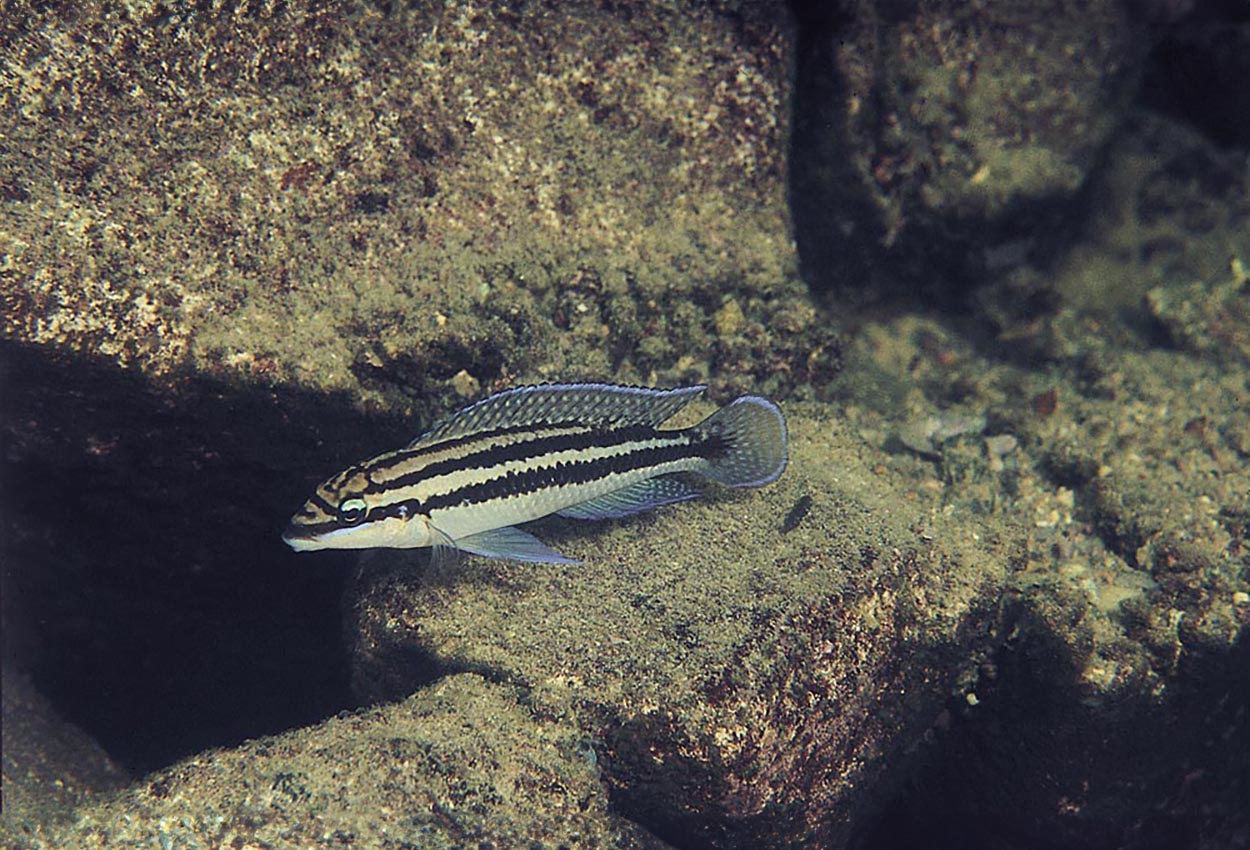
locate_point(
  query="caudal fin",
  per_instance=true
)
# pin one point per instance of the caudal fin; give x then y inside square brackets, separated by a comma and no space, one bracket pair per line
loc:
[753,436]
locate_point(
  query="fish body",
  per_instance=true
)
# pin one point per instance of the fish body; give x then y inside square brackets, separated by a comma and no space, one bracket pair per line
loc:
[587,451]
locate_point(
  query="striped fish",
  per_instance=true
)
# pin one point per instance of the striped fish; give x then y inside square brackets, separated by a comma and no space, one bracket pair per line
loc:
[587,451]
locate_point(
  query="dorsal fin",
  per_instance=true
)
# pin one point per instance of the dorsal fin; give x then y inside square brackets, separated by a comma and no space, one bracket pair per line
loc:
[595,405]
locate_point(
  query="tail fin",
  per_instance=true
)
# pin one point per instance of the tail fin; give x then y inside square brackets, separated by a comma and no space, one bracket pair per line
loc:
[753,433]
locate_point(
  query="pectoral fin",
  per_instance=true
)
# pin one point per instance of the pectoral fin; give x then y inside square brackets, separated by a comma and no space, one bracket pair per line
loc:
[511,544]
[633,499]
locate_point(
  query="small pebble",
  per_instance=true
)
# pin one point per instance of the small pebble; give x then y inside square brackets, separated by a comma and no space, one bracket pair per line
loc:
[926,434]
[465,385]
[1001,444]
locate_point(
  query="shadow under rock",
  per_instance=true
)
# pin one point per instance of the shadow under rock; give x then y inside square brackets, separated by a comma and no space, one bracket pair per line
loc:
[146,589]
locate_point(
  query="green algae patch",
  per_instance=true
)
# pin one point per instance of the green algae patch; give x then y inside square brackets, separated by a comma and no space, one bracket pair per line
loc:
[460,763]
[748,679]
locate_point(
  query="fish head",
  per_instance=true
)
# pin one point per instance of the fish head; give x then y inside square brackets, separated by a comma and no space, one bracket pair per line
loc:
[345,512]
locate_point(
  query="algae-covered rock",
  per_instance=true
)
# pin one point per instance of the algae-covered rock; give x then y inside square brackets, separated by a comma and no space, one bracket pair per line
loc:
[1128,677]
[746,685]
[1113,713]
[49,767]
[1208,317]
[460,764]
[1105,731]
[381,197]
[403,206]
[930,133]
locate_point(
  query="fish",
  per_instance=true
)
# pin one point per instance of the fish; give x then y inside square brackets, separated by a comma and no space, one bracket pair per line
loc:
[583,451]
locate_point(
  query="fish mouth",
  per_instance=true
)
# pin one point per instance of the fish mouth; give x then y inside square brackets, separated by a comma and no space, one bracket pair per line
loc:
[301,539]
[305,538]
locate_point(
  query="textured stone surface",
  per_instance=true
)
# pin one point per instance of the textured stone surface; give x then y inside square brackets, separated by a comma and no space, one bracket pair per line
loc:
[381,198]
[408,206]
[930,133]
[459,764]
[1114,714]
[50,766]
[748,687]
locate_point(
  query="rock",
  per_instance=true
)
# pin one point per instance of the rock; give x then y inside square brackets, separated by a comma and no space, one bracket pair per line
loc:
[463,762]
[1207,317]
[1082,736]
[747,689]
[928,134]
[377,207]
[50,766]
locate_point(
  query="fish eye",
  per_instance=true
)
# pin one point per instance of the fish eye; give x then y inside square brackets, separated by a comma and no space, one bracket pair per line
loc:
[352,511]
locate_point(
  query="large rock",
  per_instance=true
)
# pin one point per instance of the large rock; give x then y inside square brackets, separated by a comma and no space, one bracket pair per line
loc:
[1114,713]
[931,137]
[747,684]
[382,198]
[461,764]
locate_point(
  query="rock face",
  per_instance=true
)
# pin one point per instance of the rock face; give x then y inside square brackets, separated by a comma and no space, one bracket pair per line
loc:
[752,671]
[745,686]
[460,764]
[381,198]
[238,251]
[50,767]
[1114,715]
[929,133]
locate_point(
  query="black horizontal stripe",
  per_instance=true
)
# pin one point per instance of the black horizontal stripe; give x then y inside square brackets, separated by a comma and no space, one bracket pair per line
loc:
[406,509]
[310,530]
[315,507]
[563,474]
[369,467]
[523,451]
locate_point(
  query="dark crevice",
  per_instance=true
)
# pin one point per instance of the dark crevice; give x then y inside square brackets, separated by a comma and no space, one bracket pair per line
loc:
[146,590]
[837,229]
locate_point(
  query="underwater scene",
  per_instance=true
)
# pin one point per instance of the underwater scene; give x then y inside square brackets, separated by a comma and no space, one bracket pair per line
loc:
[648,425]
